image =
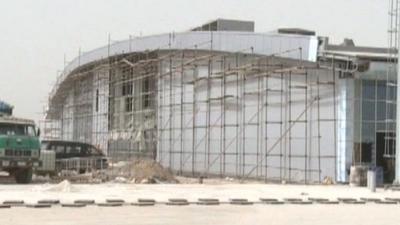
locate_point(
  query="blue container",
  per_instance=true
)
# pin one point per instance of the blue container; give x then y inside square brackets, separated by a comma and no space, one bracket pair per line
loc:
[5,108]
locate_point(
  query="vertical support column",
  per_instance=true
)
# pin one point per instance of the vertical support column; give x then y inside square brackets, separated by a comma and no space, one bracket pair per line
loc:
[345,119]
[397,159]
[171,108]
[264,131]
[319,130]
[182,134]
[265,135]
[195,73]
[290,123]
[207,147]
[282,146]
[259,116]
[335,102]
[243,153]
[306,128]
[239,98]
[223,111]
[161,106]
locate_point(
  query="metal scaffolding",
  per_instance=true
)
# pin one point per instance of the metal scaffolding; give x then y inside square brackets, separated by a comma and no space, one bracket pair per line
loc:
[205,112]
[245,115]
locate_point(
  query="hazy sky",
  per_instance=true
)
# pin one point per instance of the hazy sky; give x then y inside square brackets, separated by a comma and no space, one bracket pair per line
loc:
[36,34]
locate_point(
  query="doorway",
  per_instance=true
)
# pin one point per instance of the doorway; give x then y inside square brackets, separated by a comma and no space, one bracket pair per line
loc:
[385,154]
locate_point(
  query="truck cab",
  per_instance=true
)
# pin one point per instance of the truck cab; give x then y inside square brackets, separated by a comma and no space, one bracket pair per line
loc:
[19,147]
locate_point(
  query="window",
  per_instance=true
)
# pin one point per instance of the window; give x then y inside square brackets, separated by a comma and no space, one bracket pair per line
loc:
[128,104]
[68,149]
[146,92]
[97,100]
[368,132]
[13,129]
[382,88]
[45,145]
[78,149]
[84,149]
[127,89]
[368,110]
[31,131]
[6,129]
[146,101]
[368,89]
[19,130]
[381,111]
[59,149]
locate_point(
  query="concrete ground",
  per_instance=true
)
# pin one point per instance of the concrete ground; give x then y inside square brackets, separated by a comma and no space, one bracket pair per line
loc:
[369,213]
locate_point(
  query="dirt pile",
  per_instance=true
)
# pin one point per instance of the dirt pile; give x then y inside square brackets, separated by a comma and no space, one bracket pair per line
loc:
[140,171]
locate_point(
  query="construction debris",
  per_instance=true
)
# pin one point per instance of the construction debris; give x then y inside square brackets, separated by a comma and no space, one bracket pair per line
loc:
[328,181]
[144,171]
[140,172]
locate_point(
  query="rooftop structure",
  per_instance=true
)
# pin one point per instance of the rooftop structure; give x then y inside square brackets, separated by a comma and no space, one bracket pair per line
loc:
[226,25]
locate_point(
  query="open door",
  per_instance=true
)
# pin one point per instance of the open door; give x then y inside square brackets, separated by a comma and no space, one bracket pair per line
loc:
[385,154]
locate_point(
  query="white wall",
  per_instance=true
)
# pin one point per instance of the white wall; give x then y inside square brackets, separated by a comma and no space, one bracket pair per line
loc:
[233,140]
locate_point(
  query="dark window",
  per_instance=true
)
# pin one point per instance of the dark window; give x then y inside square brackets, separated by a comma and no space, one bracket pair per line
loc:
[368,132]
[97,100]
[381,90]
[75,151]
[363,152]
[386,91]
[381,111]
[128,104]
[19,130]
[146,92]
[368,89]
[127,89]
[391,111]
[368,108]
[16,129]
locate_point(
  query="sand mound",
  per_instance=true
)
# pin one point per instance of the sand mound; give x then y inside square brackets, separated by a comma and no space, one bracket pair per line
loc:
[142,171]
[64,186]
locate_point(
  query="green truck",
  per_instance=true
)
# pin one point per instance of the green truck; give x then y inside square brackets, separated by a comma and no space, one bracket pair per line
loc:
[19,145]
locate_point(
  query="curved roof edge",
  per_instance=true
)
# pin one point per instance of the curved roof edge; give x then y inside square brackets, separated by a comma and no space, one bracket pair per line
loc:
[283,45]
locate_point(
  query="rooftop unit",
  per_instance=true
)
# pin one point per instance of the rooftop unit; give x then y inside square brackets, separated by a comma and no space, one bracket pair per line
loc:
[298,31]
[226,25]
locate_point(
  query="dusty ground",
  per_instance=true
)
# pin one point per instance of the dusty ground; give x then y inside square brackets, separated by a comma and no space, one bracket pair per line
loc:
[370,213]
[195,215]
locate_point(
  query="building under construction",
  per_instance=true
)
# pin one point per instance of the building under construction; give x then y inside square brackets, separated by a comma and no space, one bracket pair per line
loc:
[223,100]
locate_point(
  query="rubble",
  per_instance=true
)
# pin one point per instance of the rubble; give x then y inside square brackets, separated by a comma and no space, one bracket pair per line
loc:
[122,180]
[142,171]
[328,181]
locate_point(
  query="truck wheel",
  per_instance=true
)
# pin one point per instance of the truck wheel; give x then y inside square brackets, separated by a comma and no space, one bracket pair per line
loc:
[23,176]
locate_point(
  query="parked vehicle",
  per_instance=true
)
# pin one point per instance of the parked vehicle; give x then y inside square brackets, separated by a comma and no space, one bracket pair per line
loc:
[19,145]
[71,155]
